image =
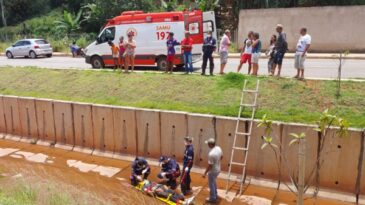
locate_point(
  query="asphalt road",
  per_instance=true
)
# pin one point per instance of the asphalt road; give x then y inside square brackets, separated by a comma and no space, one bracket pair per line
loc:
[315,68]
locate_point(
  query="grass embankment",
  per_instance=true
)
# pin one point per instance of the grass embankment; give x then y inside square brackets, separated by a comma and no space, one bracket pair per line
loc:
[286,100]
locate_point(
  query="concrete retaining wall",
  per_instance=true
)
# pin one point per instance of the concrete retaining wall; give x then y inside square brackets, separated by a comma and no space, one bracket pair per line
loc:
[150,133]
[332,28]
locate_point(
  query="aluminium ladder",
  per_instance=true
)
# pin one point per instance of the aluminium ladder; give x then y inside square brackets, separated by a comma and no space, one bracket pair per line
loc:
[247,134]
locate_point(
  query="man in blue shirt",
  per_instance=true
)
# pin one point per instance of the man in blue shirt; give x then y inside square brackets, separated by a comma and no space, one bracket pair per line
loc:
[188,164]
[170,171]
[171,43]
[209,47]
[140,170]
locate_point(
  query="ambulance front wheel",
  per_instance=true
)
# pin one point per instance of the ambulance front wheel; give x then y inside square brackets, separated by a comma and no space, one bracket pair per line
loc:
[162,63]
[97,62]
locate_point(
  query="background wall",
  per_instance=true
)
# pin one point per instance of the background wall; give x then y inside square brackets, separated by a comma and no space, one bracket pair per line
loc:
[151,133]
[332,28]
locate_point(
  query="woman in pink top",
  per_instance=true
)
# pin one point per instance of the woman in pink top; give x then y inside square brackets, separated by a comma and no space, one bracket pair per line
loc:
[223,51]
[121,51]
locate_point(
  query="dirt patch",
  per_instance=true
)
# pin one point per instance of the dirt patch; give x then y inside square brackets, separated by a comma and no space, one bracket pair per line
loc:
[76,178]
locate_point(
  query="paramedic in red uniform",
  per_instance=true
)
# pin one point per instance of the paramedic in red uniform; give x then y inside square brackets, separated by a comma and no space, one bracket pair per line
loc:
[187,46]
[171,43]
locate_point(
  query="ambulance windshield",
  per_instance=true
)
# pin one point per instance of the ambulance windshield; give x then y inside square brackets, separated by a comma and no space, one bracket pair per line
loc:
[107,34]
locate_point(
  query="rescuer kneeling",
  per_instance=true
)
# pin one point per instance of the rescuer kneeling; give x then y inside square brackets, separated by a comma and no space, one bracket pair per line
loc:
[170,171]
[140,170]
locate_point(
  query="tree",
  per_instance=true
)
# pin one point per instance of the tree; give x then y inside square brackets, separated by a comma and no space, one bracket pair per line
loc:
[300,183]
[3,12]
[70,23]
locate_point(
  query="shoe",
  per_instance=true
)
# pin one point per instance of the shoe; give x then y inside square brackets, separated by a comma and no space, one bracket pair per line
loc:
[297,76]
[211,74]
[203,74]
[189,201]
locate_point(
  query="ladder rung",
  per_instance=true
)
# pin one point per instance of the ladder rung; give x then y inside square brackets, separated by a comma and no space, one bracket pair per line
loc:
[237,163]
[248,105]
[250,91]
[243,133]
[241,148]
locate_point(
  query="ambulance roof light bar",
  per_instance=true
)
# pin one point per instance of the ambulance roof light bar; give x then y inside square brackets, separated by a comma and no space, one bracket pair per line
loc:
[124,13]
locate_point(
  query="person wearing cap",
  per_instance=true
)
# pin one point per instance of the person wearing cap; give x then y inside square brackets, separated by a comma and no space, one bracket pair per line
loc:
[140,170]
[187,165]
[214,168]
[187,47]
[223,49]
[209,47]
[170,171]
[280,48]
[171,43]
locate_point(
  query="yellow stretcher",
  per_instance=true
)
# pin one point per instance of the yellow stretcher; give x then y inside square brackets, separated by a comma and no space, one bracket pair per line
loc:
[165,200]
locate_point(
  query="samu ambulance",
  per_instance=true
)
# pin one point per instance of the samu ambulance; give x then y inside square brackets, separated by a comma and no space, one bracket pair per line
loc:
[150,32]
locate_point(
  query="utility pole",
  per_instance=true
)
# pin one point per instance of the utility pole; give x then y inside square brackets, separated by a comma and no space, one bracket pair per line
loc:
[3,12]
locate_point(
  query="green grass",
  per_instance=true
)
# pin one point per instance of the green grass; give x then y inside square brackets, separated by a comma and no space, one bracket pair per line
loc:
[281,99]
[20,195]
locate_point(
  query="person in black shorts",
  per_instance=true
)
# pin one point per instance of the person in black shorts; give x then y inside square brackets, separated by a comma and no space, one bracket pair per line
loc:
[281,46]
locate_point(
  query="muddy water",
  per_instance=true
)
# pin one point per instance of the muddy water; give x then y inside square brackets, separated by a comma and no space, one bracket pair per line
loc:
[98,180]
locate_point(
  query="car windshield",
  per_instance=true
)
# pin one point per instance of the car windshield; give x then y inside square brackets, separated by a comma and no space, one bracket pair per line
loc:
[40,42]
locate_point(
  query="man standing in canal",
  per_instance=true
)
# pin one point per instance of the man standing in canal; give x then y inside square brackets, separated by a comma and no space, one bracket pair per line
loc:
[188,164]
[214,168]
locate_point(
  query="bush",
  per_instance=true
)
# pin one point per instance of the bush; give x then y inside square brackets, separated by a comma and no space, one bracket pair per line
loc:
[82,42]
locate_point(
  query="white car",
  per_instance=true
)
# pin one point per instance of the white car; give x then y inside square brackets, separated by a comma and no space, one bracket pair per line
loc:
[30,48]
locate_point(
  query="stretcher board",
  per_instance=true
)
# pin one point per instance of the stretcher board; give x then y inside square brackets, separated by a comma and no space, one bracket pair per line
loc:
[165,200]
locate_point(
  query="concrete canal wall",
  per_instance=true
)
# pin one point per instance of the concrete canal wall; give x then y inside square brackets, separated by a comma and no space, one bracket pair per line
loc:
[150,133]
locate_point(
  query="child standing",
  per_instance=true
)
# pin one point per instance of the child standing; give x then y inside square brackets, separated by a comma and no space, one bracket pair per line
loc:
[115,54]
[121,51]
[246,54]
[271,53]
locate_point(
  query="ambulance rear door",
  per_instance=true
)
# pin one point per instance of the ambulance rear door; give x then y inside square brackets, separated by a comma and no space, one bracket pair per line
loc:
[209,23]
[193,24]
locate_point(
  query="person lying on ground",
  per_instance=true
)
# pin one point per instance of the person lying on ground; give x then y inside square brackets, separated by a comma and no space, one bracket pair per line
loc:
[140,170]
[162,191]
[170,171]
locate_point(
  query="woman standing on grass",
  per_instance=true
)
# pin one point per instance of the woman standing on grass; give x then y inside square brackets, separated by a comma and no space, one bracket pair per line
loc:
[130,46]
[256,51]
[271,53]
[121,52]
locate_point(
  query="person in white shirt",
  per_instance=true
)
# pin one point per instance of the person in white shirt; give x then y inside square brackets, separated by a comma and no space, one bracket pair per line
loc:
[223,49]
[214,168]
[246,52]
[303,45]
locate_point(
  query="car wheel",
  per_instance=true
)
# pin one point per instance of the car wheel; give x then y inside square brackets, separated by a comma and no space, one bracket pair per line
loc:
[9,55]
[162,63]
[97,62]
[32,54]
[49,55]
